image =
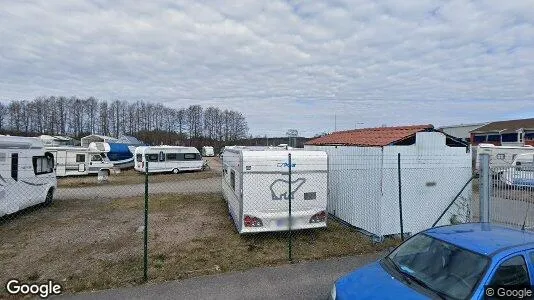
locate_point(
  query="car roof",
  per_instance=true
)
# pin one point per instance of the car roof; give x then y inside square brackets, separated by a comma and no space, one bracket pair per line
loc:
[484,238]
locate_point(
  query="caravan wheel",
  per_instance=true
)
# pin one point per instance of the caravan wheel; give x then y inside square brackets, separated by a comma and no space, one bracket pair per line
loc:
[175,171]
[49,197]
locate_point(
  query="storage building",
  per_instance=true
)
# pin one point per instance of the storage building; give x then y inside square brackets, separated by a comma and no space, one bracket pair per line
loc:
[363,181]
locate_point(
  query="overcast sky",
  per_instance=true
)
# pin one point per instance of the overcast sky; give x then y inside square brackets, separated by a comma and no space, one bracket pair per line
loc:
[284,64]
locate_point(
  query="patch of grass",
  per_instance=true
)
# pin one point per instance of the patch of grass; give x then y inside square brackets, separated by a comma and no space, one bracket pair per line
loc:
[90,245]
[132,177]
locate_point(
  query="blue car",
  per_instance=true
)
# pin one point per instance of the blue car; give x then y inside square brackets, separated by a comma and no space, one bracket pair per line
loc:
[467,261]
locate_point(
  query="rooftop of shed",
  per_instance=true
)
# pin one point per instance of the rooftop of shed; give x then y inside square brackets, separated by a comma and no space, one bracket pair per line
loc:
[378,137]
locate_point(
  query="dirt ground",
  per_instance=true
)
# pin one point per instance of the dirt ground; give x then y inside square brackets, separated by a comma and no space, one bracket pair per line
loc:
[98,244]
[133,177]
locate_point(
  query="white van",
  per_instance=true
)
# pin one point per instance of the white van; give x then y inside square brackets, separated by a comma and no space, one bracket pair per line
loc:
[521,173]
[167,159]
[26,174]
[255,184]
[208,151]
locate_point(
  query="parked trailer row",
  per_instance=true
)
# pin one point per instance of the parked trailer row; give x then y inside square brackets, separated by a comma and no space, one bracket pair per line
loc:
[26,174]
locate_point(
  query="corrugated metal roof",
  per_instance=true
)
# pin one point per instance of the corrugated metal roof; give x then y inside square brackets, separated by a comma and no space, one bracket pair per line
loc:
[505,126]
[380,136]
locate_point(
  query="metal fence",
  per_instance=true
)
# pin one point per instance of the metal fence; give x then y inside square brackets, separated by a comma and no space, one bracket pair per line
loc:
[134,227]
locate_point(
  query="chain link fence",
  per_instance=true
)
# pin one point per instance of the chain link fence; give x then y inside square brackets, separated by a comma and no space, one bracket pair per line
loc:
[232,215]
[512,195]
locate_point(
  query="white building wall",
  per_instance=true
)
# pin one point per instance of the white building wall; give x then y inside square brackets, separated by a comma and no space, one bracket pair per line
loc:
[354,183]
[431,176]
[363,183]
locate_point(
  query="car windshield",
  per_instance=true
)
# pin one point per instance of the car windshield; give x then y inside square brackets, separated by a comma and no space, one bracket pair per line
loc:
[440,266]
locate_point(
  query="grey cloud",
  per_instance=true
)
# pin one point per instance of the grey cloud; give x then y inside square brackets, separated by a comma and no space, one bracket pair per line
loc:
[285,64]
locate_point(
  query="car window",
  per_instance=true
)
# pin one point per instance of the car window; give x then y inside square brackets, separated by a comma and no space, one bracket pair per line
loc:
[439,264]
[512,271]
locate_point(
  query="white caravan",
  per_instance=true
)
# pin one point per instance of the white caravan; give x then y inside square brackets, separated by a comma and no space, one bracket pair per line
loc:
[208,151]
[255,184]
[501,156]
[167,159]
[521,174]
[26,174]
[74,161]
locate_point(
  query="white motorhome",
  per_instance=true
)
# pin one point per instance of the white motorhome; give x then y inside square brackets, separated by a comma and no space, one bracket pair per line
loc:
[26,174]
[501,156]
[75,161]
[255,184]
[167,159]
[208,151]
[521,173]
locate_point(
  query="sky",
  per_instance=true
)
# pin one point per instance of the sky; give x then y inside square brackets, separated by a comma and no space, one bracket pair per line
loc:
[315,66]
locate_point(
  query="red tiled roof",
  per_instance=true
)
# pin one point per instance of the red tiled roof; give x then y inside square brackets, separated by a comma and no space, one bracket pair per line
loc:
[381,136]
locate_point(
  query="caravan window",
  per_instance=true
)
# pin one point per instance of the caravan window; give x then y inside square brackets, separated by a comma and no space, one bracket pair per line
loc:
[161,156]
[139,157]
[191,156]
[80,158]
[232,179]
[96,157]
[172,156]
[43,164]
[501,156]
[152,157]
[15,166]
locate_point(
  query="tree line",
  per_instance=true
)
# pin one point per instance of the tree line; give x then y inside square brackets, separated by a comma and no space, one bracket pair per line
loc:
[149,122]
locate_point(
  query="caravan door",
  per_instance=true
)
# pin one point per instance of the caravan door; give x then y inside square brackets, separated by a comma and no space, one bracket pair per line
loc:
[60,158]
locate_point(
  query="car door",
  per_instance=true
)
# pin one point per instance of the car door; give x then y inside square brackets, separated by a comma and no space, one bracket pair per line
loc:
[531,265]
[511,270]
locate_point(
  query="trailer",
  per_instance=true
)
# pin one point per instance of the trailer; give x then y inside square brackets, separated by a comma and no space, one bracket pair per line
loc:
[501,156]
[521,173]
[77,161]
[26,174]
[208,151]
[173,159]
[255,184]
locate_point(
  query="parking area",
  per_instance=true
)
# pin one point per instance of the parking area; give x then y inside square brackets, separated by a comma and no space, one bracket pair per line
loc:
[94,240]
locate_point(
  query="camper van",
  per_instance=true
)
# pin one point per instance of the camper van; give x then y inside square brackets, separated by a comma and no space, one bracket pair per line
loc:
[521,173]
[26,174]
[75,161]
[255,184]
[167,159]
[501,156]
[208,151]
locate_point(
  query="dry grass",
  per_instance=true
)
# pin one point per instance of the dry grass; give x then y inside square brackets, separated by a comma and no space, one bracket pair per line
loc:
[89,245]
[132,177]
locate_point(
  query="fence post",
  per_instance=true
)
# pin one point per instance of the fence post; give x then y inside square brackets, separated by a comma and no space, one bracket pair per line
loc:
[485,188]
[290,254]
[145,231]
[400,196]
